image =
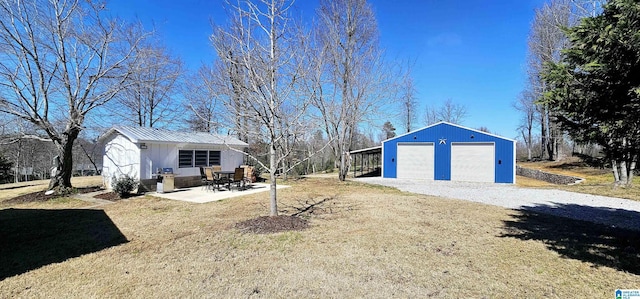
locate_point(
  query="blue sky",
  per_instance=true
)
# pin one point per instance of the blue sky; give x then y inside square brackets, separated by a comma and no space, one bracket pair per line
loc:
[472,52]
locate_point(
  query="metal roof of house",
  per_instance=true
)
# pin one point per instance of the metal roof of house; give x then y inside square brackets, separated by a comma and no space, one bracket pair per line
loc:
[144,134]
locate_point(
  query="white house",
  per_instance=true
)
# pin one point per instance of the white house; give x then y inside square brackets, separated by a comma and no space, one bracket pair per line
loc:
[139,152]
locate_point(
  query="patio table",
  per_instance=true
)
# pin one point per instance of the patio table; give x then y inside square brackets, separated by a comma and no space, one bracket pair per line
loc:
[227,174]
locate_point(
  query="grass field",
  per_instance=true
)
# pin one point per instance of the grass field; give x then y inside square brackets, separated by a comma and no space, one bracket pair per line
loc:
[364,241]
[597,181]
[15,189]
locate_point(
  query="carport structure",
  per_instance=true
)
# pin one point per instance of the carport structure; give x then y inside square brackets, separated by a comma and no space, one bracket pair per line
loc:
[446,151]
[366,161]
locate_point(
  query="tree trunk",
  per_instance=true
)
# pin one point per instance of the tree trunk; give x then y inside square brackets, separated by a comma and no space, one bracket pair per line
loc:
[272,176]
[95,167]
[16,172]
[624,175]
[61,182]
[285,169]
[543,136]
[342,174]
[548,137]
[632,169]
[344,166]
[616,175]
[529,143]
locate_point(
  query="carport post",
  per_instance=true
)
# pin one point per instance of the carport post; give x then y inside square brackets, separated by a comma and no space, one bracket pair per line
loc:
[355,163]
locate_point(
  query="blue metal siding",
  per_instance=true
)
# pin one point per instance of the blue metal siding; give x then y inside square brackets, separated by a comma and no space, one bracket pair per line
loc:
[442,135]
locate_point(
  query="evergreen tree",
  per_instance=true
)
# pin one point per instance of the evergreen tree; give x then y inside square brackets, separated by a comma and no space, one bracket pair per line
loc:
[595,88]
[389,130]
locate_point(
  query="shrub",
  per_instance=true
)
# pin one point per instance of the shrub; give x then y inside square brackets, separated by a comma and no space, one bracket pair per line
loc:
[124,185]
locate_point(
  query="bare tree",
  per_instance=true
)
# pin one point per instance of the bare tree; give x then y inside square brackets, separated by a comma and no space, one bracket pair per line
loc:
[202,101]
[349,79]
[89,153]
[60,60]
[266,48]
[150,98]
[31,157]
[408,100]
[585,8]
[546,40]
[484,129]
[527,107]
[316,149]
[449,112]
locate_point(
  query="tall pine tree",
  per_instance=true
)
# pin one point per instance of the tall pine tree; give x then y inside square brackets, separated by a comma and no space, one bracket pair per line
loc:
[596,86]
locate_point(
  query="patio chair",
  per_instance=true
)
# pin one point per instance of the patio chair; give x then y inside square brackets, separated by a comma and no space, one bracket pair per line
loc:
[238,178]
[208,177]
[248,174]
[203,178]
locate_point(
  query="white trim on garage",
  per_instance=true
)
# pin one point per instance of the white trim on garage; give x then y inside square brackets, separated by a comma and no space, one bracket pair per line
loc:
[473,161]
[450,124]
[514,162]
[415,160]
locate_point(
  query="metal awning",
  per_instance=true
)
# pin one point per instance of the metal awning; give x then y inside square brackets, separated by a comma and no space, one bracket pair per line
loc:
[365,151]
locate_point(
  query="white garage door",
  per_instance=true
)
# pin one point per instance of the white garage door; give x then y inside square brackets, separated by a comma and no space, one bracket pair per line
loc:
[415,161]
[473,162]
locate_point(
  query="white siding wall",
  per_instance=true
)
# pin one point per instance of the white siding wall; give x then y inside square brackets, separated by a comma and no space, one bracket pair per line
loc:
[121,156]
[231,159]
[156,156]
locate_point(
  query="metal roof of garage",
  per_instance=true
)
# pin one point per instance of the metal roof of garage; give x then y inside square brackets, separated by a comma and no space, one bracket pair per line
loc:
[155,135]
[453,125]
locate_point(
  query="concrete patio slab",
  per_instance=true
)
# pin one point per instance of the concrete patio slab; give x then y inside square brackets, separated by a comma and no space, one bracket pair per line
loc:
[201,195]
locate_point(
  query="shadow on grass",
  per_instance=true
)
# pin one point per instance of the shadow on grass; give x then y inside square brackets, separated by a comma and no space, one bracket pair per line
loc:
[32,238]
[371,174]
[587,160]
[597,235]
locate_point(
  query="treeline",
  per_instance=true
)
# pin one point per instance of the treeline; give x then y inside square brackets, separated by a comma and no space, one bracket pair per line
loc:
[583,85]
[584,82]
[302,94]
[28,159]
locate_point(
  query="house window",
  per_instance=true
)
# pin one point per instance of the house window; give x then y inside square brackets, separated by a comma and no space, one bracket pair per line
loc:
[191,158]
[185,159]
[214,157]
[201,158]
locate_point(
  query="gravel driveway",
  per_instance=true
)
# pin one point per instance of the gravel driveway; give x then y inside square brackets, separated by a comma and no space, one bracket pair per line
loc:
[600,209]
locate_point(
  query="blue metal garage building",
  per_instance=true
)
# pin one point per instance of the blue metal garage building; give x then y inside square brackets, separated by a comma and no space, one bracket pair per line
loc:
[446,151]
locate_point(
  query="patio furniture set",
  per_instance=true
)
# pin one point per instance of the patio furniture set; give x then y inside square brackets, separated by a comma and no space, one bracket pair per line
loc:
[214,178]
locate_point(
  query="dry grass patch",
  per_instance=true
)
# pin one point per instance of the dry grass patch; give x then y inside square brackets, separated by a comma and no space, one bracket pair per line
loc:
[523,181]
[12,190]
[597,181]
[364,241]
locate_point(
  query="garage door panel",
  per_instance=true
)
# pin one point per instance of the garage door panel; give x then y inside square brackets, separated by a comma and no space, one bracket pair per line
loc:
[415,161]
[473,162]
